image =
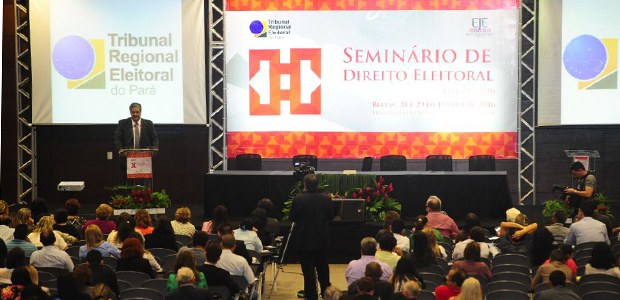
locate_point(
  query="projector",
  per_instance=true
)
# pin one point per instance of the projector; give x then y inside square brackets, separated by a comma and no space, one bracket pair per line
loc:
[71,186]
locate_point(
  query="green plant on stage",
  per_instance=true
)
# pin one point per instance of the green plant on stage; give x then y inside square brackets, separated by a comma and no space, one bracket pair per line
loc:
[603,204]
[550,206]
[137,197]
[378,199]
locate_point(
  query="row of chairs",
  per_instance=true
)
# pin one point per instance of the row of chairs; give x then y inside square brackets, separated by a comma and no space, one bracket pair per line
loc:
[253,162]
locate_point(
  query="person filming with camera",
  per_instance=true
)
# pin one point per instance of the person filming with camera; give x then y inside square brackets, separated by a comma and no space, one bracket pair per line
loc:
[583,188]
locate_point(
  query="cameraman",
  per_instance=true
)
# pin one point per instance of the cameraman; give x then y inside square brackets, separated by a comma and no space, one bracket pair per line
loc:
[584,188]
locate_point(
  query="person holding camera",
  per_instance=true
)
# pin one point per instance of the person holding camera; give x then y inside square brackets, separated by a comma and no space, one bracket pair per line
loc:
[582,190]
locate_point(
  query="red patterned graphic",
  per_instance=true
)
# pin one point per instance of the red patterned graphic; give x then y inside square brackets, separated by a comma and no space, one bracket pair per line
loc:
[413,145]
[301,5]
[293,94]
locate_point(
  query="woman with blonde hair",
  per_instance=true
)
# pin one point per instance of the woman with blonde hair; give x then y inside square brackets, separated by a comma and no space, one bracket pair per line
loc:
[103,213]
[438,250]
[94,241]
[470,290]
[24,216]
[181,223]
[143,222]
[63,240]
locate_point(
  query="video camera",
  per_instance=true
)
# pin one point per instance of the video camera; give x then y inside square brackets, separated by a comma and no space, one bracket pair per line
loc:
[301,169]
[560,188]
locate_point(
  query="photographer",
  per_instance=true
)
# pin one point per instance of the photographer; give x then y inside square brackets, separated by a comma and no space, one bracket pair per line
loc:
[584,188]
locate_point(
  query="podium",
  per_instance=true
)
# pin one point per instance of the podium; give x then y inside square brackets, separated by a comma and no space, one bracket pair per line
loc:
[139,165]
[586,157]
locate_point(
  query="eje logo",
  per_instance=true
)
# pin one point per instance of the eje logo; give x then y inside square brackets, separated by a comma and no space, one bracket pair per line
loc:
[297,81]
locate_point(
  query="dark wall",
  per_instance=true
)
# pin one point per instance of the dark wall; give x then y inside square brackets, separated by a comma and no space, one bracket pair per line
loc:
[8,175]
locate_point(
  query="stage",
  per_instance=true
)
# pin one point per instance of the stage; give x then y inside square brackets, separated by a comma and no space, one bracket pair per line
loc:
[485,193]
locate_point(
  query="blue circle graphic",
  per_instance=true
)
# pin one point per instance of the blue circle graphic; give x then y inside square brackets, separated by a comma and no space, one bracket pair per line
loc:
[585,57]
[256,27]
[73,57]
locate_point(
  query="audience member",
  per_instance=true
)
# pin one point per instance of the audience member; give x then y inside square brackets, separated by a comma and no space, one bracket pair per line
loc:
[94,241]
[24,216]
[6,232]
[471,221]
[101,291]
[50,256]
[246,234]
[200,240]
[4,208]
[73,285]
[452,287]
[272,227]
[19,279]
[147,255]
[557,262]
[63,240]
[187,290]
[365,289]
[472,264]
[240,248]
[512,242]
[144,223]
[235,264]
[402,242]
[542,244]
[383,289]
[220,216]
[125,227]
[568,254]
[332,293]
[20,240]
[185,259]
[100,272]
[182,224]
[356,268]
[476,234]
[470,290]
[404,272]
[15,258]
[586,229]
[422,253]
[38,207]
[511,214]
[439,220]
[72,205]
[602,261]
[162,236]
[420,223]
[389,217]
[557,227]
[103,213]
[132,258]
[217,276]
[558,290]
[387,243]
[60,219]
[438,250]
[410,291]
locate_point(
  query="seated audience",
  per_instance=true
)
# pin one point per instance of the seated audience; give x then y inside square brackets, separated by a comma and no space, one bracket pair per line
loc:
[182,222]
[38,207]
[76,284]
[420,223]
[515,241]
[422,253]
[200,240]
[410,291]
[383,289]
[365,289]
[24,216]
[217,276]
[272,227]
[15,258]
[187,290]
[542,244]
[356,268]
[240,248]
[332,293]
[557,227]
[558,290]
[220,216]
[476,234]
[125,227]
[568,254]
[235,264]
[186,259]
[103,213]
[471,221]
[147,255]
[100,272]
[439,220]
[101,291]
[438,250]
[50,256]
[402,242]
[144,224]
[452,287]
[404,272]
[94,241]
[557,262]
[21,240]
[162,236]
[63,240]
[4,208]
[602,261]
[72,205]
[387,243]
[586,229]
[132,258]
[20,278]
[472,264]
[246,234]
[60,224]
[6,232]
[470,290]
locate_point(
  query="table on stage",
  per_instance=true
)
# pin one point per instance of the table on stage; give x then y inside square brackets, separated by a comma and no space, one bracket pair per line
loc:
[482,192]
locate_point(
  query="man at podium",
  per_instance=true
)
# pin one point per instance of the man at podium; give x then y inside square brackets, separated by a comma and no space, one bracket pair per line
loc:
[135,132]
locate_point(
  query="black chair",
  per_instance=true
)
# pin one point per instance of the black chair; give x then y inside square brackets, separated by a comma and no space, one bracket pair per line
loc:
[483,282]
[584,246]
[482,163]
[582,261]
[220,292]
[593,286]
[248,161]
[436,279]
[141,293]
[601,295]
[56,272]
[161,253]
[110,262]
[439,163]
[393,163]
[507,294]
[311,160]
[599,277]
[169,262]
[513,259]
[158,284]
[581,270]
[511,268]
[506,285]
[367,164]
[73,251]
[509,276]
[434,269]
[132,277]
[426,295]
[185,240]
[45,276]
[123,285]
[443,264]
[52,283]
[545,286]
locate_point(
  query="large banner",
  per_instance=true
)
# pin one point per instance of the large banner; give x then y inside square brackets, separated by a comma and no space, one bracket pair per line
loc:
[374,79]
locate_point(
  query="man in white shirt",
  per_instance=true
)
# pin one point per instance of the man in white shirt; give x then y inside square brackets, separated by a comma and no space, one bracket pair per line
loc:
[234,264]
[586,229]
[50,256]
[476,234]
[246,233]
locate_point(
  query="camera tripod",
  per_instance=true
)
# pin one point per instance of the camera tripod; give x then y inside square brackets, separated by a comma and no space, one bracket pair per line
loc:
[278,262]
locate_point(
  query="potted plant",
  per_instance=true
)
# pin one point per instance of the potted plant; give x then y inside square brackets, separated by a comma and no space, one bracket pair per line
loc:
[129,198]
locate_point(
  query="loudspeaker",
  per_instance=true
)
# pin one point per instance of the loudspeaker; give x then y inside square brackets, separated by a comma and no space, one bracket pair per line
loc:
[349,210]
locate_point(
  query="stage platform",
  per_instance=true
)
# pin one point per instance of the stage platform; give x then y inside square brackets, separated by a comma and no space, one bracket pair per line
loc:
[481,192]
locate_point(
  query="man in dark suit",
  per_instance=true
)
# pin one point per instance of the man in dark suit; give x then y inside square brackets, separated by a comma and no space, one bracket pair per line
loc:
[217,276]
[311,211]
[187,290]
[135,132]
